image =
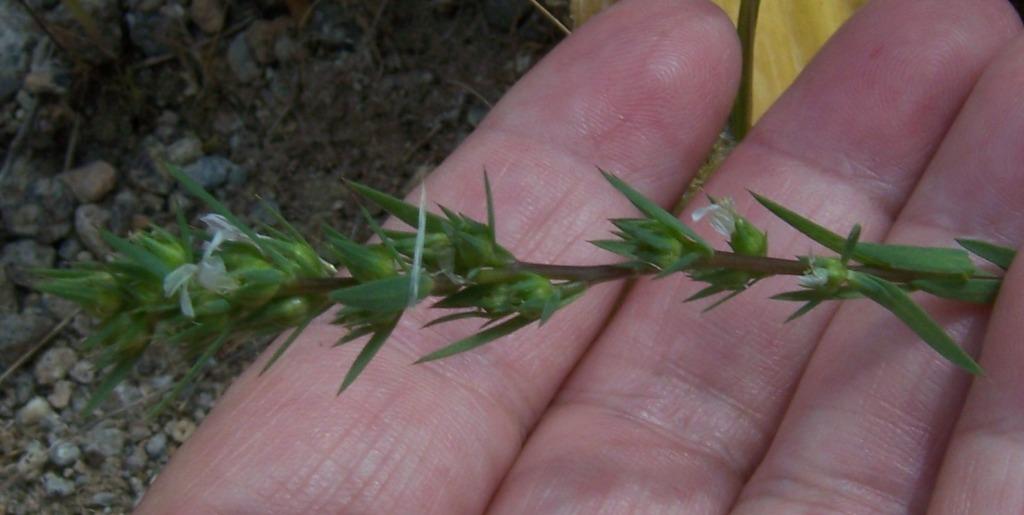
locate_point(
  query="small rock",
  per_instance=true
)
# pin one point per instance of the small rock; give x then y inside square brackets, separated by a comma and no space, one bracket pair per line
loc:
[104,442]
[53,365]
[69,248]
[90,219]
[185,150]
[180,429]
[137,459]
[475,114]
[91,182]
[35,410]
[211,171]
[145,172]
[64,453]
[240,60]
[126,206]
[56,486]
[22,329]
[156,445]
[59,307]
[22,256]
[37,206]
[138,430]
[57,203]
[61,394]
[33,457]
[126,393]
[84,372]
[23,219]
[261,37]
[102,500]
[208,15]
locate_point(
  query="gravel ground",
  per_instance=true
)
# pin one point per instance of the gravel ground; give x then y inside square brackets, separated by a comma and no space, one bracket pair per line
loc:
[253,101]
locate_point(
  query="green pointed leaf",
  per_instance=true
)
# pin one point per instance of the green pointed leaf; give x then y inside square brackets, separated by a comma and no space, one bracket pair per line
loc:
[706,292]
[467,297]
[287,343]
[933,260]
[354,334]
[190,376]
[110,381]
[976,290]
[139,255]
[809,295]
[615,247]
[389,294]
[684,261]
[851,244]
[290,229]
[893,298]
[722,300]
[362,261]
[367,354]
[384,238]
[109,329]
[490,209]
[471,342]
[995,254]
[401,210]
[187,235]
[656,212]
[199,192]
[455,316]
[806,308]
[550,306]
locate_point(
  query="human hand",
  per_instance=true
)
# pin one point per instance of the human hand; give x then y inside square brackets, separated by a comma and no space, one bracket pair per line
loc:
[909,122]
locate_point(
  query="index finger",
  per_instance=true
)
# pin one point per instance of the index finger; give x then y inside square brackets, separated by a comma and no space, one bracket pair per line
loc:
[642,89]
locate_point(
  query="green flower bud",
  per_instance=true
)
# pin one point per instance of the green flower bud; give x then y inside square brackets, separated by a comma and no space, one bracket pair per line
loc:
[744,237]
[164,246]
[211,306]
[747,239]
[257,286]
[825,274]
[282,313]
[238,257]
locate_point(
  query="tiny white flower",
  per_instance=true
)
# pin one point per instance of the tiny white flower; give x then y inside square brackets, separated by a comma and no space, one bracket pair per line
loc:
[723,216]
[177,280]
[815,278]
[214,276]
[223,230]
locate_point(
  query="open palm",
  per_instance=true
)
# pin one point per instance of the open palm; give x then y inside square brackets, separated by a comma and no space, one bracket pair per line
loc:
[909,122]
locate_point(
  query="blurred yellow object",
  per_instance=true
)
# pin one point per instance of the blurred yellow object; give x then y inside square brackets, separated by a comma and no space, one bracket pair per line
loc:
[788,34]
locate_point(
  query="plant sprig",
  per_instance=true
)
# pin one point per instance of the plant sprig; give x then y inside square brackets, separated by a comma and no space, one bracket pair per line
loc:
[199,289]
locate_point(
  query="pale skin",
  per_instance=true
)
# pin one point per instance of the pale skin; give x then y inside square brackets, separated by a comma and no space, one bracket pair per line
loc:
[910,122]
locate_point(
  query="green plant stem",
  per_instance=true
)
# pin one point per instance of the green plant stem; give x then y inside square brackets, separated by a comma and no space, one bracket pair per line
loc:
[721,259]
[594,274]
[742,111]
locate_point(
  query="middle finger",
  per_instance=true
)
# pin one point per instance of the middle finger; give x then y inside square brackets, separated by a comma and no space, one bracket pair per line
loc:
[673,409]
